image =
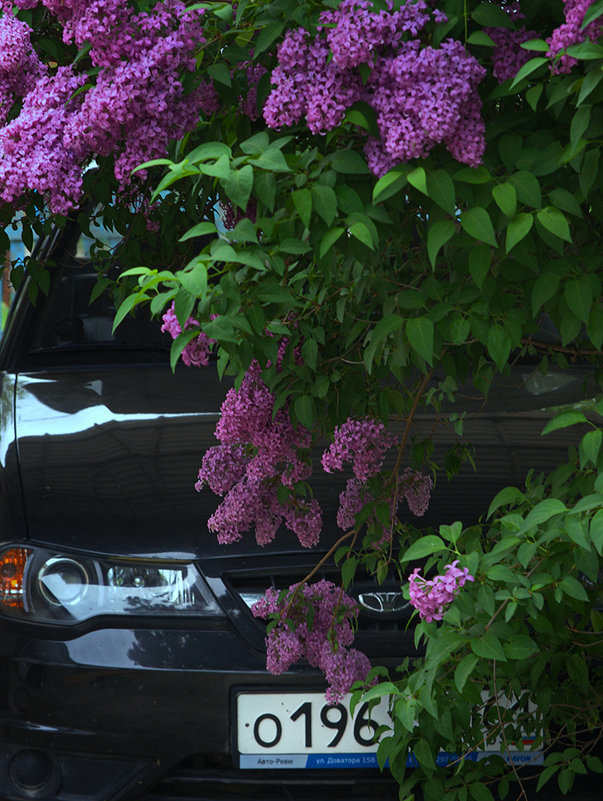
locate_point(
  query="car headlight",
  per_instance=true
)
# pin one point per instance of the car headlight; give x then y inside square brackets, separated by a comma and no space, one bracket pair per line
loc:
[65,588]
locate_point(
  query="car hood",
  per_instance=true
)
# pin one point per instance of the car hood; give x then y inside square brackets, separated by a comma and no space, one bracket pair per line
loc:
[109,457]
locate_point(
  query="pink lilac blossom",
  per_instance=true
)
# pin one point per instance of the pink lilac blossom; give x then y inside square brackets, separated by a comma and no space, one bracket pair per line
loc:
[362,442]
[258,452]
[423,96]
[20,67]
[432,597]
[249,103]
[508,56]
[571,33]
[33,155]
[416,488]
[135,108]
[322,632]
[196,353]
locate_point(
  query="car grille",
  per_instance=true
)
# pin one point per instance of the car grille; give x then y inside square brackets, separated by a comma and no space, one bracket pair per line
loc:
[384,626]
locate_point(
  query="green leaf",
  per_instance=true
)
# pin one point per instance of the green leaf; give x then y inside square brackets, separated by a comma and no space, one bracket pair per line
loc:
[464,669]
[422,751]
[194,280]
[578,293]
[201,229]
[425,546]
[499,345]
[481,38]
[325,202]
[349,162]
[542,512]
[528,68]
[126,307]
[459,328]
[267,36]
[217,169]
[302,200]
[544,289]
[438,234]
[364,116]
[386,326]
[586,51]
[596,531]
[562,199]
[554,221]
[440,188]
[480,259]
[573,588]
[328,240]
[492,16]
[361,232]
[505,197]
[517,229]
[589,84]
[272,160]
[563,420]
[527,187]
[476,222]
[220,73]
[304,411]
[536,44]
[208,150]
[580,123]
[296,247]
[238,187]
[473,175]
[179,344]
[418,179]
[480,792]
[507,496]
[420,332]
[310,353]
[488,647]
[591,445]
[592,13]
[390,184]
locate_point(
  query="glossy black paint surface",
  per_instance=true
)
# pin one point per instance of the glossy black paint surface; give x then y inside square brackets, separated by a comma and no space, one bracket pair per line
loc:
[99,452]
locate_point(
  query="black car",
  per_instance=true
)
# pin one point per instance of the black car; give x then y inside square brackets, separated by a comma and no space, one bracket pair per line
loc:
[130,663]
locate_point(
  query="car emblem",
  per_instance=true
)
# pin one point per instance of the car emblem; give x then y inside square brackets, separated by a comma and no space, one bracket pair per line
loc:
[382,603]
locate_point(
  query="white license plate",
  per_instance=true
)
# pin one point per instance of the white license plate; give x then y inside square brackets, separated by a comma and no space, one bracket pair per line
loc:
[300,730]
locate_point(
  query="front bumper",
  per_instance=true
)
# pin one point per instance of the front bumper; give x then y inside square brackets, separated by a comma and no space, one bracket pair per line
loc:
[122,714]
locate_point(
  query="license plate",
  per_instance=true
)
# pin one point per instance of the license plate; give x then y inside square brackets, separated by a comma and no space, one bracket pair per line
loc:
[300,730]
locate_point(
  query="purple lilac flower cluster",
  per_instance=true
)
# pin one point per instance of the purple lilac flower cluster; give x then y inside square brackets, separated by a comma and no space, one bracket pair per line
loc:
[432,597]
[258,452]
[136,106]
[362,442]
[422,95]
[322,633]
[571,33]
[20,66]
[507,55]
[196,353]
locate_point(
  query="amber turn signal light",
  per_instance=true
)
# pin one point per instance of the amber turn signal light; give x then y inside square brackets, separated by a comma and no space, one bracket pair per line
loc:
[12,568]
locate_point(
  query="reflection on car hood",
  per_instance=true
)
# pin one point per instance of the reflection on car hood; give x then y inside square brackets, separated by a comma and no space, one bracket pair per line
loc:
[109,458]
